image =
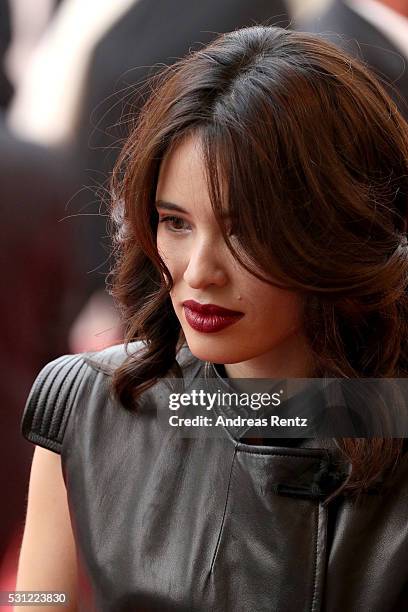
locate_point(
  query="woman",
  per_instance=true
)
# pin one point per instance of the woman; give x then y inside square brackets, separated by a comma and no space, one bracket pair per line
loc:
[267,175]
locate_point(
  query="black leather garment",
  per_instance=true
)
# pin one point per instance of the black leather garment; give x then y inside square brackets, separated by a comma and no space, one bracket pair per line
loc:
[204,524]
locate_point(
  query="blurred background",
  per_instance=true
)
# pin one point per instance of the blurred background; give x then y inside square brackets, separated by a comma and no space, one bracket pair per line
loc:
[71,73]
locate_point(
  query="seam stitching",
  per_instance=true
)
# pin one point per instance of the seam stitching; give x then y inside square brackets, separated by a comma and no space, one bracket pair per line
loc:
[224,513]
[303,456]
[316,546]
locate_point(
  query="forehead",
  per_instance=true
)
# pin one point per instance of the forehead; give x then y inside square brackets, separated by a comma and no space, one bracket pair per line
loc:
[182,173]
[182,178]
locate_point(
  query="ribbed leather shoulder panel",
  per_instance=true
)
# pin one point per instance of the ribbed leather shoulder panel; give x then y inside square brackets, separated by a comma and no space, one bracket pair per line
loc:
[51,399]
[55,389]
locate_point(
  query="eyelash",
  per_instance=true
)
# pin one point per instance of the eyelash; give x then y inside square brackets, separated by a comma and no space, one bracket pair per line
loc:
[173,218]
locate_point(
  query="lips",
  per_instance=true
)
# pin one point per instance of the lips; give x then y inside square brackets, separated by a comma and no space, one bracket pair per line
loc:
[209,318]
[210,309]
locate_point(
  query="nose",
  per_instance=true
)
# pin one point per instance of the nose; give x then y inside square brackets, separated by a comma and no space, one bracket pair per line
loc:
[205,265]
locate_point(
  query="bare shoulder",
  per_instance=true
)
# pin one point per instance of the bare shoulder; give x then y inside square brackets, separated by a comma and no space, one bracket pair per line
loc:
[48,557]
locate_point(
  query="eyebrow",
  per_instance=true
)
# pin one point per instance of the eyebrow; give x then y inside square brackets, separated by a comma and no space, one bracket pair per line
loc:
[160,204]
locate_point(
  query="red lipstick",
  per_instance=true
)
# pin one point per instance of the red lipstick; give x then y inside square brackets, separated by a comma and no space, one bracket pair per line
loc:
[209,318]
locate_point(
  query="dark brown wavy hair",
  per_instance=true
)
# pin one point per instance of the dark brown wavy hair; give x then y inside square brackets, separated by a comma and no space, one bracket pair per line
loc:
[315,156]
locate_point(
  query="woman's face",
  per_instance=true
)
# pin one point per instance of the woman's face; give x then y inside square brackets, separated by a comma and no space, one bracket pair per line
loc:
[266,340]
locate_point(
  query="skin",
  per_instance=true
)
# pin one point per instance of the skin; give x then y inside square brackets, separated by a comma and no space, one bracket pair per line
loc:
[48,555]
[268,341]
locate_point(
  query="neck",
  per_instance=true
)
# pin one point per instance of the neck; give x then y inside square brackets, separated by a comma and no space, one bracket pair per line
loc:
[399,6]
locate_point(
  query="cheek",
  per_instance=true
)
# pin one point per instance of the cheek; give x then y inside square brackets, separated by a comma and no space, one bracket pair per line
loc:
[163,247]
[280,308]
[170,255]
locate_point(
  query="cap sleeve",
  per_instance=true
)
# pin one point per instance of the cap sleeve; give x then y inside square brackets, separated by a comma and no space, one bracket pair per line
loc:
[51,399]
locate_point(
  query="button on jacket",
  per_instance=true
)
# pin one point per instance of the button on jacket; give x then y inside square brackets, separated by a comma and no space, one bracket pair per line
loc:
[210,524]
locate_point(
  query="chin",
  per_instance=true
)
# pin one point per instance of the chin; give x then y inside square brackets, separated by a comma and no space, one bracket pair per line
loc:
[214,348]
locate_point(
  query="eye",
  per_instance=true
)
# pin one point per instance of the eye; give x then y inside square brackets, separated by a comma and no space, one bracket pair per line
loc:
[171,221]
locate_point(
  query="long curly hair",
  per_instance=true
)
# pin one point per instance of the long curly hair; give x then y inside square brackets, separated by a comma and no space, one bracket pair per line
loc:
[315,155]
